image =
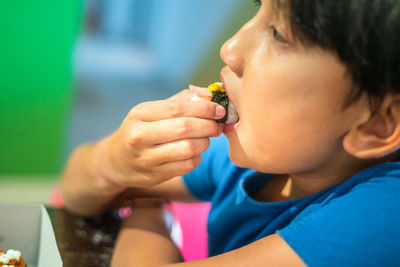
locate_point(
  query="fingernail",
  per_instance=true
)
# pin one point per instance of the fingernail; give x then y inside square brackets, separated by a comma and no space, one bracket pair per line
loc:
[220,111]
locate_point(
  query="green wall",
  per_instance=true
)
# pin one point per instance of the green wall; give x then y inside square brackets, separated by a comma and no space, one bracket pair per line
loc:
[36,84]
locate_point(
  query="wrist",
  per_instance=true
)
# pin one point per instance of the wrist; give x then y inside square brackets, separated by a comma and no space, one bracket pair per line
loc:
[106,174]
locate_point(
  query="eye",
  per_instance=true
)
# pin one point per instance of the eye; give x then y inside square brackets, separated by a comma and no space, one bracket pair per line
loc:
[277,36]
[257,2]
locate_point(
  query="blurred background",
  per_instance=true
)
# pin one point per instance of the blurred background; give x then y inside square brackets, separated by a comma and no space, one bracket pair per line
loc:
[71,70]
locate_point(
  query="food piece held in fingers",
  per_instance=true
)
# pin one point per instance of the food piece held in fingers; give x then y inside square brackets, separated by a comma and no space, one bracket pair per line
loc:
[220,96]
[216,93]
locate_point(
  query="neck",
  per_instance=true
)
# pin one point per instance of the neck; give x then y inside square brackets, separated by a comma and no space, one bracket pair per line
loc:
[307,184]
[299,186]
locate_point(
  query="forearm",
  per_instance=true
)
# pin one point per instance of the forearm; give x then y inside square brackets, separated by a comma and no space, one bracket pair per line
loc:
[144,240]
[84,188]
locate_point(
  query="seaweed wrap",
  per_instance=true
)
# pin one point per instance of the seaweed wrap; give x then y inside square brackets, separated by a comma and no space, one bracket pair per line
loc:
[219,96]
[216,93]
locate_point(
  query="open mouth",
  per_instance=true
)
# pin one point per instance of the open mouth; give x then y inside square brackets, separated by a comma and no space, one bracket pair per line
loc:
[220,96]
[217,93]
[232,114]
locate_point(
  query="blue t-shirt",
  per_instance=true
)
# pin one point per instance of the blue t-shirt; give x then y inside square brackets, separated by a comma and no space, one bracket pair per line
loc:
[354,223]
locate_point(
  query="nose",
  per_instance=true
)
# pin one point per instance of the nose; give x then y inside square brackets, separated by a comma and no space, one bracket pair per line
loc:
[235,50]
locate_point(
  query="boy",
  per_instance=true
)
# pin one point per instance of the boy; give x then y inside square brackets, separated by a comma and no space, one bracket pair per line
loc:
[316,86]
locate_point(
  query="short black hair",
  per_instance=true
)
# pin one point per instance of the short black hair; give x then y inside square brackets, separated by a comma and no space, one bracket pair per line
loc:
[365,35]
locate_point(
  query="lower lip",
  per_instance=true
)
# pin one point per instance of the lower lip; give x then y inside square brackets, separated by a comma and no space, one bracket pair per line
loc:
[229,127]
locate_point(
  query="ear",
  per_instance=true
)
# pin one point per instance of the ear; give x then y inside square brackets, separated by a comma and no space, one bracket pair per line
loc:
[379,135]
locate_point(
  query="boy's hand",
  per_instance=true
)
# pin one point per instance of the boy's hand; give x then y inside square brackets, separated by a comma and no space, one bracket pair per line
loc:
[158,141]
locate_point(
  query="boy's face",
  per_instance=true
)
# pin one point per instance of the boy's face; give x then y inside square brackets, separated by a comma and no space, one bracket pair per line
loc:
[289,99]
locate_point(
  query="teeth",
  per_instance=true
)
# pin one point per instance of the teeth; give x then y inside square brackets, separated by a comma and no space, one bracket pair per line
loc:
[232,114]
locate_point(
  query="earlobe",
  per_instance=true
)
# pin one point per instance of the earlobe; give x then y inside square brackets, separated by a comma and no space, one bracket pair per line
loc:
[379,135]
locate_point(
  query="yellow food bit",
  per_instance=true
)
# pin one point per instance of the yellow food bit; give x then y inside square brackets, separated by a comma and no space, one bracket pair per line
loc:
[215,87]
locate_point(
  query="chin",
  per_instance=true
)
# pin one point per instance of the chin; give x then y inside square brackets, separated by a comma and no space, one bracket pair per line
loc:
[246,159]
[236,153]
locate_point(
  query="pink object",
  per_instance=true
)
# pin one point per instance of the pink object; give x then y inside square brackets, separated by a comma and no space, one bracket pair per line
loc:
[56,199]
[192,219]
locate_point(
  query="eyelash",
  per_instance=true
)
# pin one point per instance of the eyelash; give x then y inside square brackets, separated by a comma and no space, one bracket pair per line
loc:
[277,36]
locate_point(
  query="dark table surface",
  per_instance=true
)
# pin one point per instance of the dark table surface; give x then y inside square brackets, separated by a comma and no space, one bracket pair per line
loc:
[83,241]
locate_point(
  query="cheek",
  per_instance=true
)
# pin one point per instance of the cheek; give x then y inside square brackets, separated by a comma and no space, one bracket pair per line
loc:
[290,115]
[281,133]
[282,148]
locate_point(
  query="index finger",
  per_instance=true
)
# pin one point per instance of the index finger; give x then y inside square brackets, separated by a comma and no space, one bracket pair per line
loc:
[175,108]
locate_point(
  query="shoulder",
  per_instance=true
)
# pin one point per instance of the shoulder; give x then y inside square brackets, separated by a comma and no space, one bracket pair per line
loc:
[376,189]
[356,223]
